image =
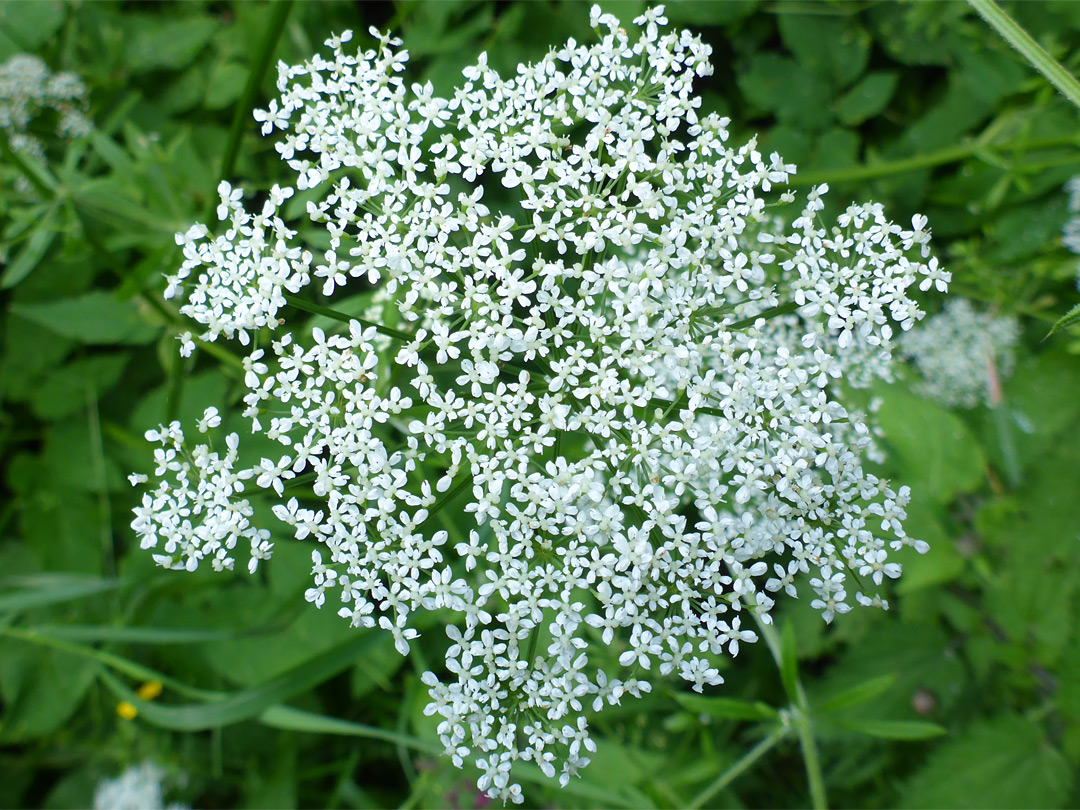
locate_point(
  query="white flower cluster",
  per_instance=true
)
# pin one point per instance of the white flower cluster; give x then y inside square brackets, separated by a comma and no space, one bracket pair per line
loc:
[609,343]
[1070,232]
[139,787]
[195,511]
[27,88]
[961,354]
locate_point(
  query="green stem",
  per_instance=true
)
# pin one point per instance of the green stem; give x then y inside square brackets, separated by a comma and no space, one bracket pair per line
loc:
[804,726]
[1038,58]
[951,154]
[326,312]
[736,770]
[279,13]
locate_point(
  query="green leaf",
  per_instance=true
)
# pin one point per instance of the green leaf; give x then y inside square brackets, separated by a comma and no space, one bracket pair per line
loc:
[832,47]
[25,593]
[942,563]
[26,25]
[1070,318]
[94,318]
[1004,762]
[225,85]
[65,392]
[726,708]
[856,695]
[31,254]
[868,97]
[935,452]
[892,729]
[249,703]
[159,42]
[286,717]
[776,84]
[104,633]
[41,690]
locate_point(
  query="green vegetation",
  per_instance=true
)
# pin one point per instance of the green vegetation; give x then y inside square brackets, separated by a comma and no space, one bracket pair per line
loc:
[966,693]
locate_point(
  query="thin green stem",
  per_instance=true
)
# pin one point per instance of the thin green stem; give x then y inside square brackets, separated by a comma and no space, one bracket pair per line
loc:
[804,727]
[738,768]
[950,154]
[1038,58]
[279,14]
[327,312]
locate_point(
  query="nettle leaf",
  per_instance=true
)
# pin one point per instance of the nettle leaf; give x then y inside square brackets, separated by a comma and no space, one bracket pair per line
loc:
[999,763]
[868,97]
[934,451]
[94,318]
[833,47]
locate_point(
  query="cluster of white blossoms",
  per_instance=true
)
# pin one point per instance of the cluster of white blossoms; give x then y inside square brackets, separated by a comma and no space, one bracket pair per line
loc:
[1070,232]
[962,354]
[139,787]
[27,89]
[598,424]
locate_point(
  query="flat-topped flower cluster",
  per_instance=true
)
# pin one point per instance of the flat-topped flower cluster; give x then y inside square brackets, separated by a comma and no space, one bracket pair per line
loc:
[962,355]
[593,413]
[28,89]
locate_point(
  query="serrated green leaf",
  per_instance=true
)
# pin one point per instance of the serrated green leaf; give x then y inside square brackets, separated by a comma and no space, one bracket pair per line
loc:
[726,708]
[1070,318]
[1001,763]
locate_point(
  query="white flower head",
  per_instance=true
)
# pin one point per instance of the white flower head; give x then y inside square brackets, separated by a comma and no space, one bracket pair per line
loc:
[623,380]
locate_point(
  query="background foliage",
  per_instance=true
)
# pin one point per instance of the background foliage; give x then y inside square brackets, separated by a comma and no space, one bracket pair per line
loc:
[966,694]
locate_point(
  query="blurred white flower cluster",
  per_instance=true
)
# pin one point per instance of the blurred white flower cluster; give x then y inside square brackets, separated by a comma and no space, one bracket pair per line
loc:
[603,328]
[137,788]
[27,89]
[1070,232]
[962,354]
